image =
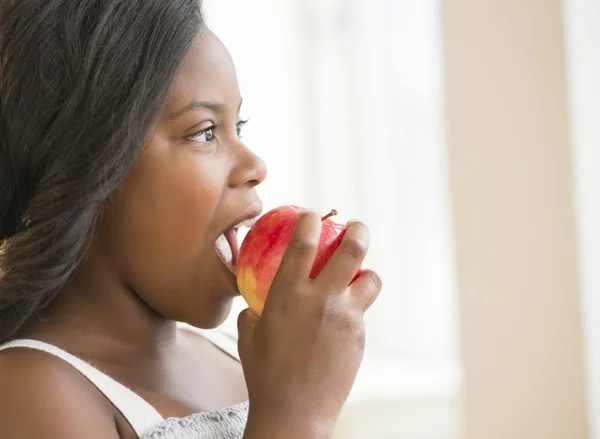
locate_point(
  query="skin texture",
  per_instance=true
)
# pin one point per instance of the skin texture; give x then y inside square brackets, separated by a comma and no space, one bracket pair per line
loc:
[153,260]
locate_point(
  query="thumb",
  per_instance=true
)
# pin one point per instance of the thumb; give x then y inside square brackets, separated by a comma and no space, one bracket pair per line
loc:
[246,324]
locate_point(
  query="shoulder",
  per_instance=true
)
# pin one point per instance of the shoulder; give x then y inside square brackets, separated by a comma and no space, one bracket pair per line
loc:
[43,396]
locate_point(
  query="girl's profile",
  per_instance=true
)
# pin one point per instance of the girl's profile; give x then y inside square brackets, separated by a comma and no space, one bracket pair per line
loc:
[122,163]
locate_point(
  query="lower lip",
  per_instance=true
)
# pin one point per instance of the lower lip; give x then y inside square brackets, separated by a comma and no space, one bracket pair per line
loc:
[229,274]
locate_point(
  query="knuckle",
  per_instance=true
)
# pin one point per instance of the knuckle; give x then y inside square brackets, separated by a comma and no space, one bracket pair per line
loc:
[360,335]
[358,223]
[290,300]
[334,311]
[354,328]
[308,219]
[355,248]
[309,215]
[303,243]
[344,317]
[358,227]
[376,281]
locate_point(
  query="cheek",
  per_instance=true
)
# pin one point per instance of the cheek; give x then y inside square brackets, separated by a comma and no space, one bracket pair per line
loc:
[163,214]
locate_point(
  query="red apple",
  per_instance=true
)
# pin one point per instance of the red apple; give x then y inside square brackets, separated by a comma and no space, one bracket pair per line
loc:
[263,248]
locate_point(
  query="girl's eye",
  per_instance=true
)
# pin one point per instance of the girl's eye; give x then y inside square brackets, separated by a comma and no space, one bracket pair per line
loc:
[240,125]
[207,135]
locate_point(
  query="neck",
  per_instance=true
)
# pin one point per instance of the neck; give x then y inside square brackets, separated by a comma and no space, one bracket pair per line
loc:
[97,316]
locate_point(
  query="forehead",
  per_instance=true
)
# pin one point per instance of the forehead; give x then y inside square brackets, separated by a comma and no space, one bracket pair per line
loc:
[208,74]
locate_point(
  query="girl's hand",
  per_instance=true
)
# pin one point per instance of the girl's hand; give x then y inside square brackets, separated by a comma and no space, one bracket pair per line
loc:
[301,358]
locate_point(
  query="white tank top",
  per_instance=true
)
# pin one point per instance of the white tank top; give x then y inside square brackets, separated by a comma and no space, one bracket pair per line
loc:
[142,417]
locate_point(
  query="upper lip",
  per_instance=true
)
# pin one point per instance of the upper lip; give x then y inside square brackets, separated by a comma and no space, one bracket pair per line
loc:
[253,211]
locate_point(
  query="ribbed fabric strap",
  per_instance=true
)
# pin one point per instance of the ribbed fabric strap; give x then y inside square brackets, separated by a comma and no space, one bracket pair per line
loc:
[141,415]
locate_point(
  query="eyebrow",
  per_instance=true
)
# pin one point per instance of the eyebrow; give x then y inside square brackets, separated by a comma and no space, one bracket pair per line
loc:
[215,107]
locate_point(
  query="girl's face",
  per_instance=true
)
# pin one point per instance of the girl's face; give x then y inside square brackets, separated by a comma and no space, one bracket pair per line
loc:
[194,181]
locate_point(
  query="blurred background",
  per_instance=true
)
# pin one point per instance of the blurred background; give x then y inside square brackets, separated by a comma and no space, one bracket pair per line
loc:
[464,133]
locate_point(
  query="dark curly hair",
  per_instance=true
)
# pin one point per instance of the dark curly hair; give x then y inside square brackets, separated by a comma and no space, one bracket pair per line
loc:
[81,82]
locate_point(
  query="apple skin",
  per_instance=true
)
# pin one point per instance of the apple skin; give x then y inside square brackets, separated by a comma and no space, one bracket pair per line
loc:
[263,248]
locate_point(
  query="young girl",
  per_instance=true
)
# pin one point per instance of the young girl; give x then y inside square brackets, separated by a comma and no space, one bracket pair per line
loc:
[121,165]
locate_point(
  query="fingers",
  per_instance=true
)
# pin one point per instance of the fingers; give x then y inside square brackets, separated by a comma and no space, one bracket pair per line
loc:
[246,323]
[300,254]
[347,259]
[365,289]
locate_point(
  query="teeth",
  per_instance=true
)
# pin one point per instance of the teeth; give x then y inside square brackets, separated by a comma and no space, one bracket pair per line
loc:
[249,222]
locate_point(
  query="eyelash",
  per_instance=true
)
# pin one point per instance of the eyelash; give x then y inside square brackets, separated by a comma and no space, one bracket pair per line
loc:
[212,128]
[241,124]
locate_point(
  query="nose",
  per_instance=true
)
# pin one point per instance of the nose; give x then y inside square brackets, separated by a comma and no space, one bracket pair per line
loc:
[249,170]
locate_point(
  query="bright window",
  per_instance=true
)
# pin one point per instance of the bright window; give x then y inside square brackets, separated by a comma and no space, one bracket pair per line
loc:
[346,107]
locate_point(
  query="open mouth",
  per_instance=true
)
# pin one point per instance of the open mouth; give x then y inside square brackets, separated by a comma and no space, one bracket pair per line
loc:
[227,245]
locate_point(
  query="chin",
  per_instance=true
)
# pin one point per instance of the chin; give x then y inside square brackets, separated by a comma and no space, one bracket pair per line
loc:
[215,291]
[222,312]
[214,314]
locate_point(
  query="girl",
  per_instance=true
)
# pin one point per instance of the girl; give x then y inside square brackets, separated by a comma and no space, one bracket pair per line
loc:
[121,166]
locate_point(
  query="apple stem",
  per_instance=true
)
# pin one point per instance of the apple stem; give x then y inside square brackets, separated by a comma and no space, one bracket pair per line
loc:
[330,214]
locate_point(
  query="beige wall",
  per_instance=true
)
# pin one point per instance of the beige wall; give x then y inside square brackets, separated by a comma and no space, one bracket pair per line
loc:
[508,135]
